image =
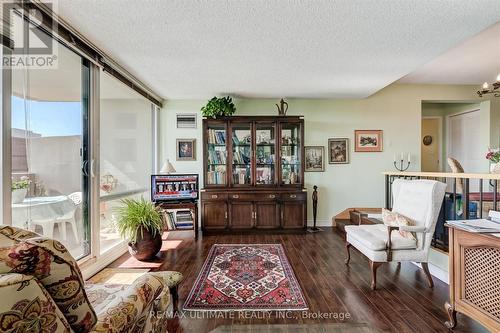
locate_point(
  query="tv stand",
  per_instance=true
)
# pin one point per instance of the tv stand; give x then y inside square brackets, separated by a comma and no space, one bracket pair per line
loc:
[191,205]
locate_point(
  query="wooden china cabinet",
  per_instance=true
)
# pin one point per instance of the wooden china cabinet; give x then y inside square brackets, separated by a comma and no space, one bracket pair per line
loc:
[253,174]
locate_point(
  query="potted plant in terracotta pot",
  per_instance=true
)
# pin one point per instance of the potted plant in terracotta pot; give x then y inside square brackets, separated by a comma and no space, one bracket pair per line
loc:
[20,189]
[140,223]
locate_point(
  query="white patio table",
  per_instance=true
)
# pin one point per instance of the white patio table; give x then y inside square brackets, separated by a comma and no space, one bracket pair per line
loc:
[42,211]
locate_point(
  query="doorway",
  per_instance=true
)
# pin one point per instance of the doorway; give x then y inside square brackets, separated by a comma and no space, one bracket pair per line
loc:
[431,144]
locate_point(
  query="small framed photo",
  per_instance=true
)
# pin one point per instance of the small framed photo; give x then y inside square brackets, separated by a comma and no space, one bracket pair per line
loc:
[315,158]
[186,150]
[338,151]
[368,140]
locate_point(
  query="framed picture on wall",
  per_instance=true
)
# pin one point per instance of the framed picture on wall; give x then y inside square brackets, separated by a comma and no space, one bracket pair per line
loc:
[338,151]
[368,140]
[315,158]
[186,149]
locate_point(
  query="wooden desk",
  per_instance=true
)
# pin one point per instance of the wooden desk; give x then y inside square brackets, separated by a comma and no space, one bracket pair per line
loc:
[474,278]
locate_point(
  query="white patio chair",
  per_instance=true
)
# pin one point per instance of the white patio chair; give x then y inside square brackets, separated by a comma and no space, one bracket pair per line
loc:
[70,217]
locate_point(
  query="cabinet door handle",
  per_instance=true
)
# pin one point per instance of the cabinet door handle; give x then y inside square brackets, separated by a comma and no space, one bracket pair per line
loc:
[214,196]
[272,196]
[236,196]
[225,215]
[293,196]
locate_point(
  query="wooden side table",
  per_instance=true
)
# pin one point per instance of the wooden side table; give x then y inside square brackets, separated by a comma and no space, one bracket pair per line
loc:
[191,205]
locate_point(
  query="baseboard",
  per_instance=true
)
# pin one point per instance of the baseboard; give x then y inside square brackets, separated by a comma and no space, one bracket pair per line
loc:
[319,223]
[104,260]
[437,272]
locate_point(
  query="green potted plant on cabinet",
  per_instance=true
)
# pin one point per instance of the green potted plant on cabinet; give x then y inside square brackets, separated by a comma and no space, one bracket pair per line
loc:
[219,107]
[141,224]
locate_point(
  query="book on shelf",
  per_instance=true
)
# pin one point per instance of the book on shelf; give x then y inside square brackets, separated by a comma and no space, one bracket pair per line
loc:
[240,158]
[240,175]
[169,219]
[217,156]
[217,137]
[177,220]
[217,176]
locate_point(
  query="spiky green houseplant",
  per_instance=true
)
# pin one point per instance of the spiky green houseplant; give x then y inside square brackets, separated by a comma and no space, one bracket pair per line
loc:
[137,216]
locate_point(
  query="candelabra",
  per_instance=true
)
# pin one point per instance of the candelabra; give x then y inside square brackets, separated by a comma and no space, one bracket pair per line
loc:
[401,165]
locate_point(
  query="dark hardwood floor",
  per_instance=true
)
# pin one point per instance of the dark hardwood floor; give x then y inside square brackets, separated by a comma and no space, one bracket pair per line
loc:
[402,302]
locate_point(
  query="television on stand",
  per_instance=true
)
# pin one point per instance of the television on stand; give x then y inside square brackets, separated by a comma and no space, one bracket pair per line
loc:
[174,188]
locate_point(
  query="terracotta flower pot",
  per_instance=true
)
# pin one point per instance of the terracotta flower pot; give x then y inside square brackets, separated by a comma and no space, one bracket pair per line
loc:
[146,247]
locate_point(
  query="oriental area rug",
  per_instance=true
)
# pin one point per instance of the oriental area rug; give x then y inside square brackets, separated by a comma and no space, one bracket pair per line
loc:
[246,277]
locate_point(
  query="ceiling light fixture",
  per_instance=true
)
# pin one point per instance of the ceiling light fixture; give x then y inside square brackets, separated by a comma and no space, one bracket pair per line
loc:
[494,89]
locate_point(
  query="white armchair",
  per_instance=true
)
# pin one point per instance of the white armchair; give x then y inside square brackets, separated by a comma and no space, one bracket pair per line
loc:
[418,200]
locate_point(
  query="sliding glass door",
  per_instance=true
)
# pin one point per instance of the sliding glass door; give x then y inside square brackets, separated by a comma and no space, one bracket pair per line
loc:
[50,167]
[126,152]
[75,142]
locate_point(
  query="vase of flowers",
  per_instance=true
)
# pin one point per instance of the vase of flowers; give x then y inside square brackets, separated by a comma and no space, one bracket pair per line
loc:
[493,156]
[20,189]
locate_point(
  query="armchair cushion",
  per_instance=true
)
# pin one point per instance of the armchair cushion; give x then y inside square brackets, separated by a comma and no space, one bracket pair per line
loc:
[123,308]
[394,219]
[374,237]
[27,307]
[52,265]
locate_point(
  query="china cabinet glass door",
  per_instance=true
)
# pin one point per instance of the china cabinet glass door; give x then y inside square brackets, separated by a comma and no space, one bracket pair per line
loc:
[216,172]
[242,154]
[291,147]
[265,154]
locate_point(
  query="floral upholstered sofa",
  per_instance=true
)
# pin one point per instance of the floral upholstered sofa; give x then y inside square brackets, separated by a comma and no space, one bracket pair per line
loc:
[42,291]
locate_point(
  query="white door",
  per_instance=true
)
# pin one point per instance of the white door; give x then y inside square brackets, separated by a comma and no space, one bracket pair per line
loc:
[464,142]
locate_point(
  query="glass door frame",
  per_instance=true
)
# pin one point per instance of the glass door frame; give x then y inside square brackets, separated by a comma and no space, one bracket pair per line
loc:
[251,128]
[277,165]
[300,148]
[6,144]
[213,123]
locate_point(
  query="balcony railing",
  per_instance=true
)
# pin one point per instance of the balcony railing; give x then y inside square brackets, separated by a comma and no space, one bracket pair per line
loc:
[468,195]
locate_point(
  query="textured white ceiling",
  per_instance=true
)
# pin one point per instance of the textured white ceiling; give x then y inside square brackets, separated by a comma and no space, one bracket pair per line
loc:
[472,62]
[263,48]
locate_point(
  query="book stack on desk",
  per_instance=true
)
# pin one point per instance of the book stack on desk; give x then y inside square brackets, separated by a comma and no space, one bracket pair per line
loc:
[490,225]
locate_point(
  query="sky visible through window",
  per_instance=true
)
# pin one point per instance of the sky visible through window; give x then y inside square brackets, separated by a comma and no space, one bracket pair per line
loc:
[48,118]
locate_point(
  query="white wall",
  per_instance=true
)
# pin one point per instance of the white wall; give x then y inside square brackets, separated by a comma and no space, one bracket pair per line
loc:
[396,110]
